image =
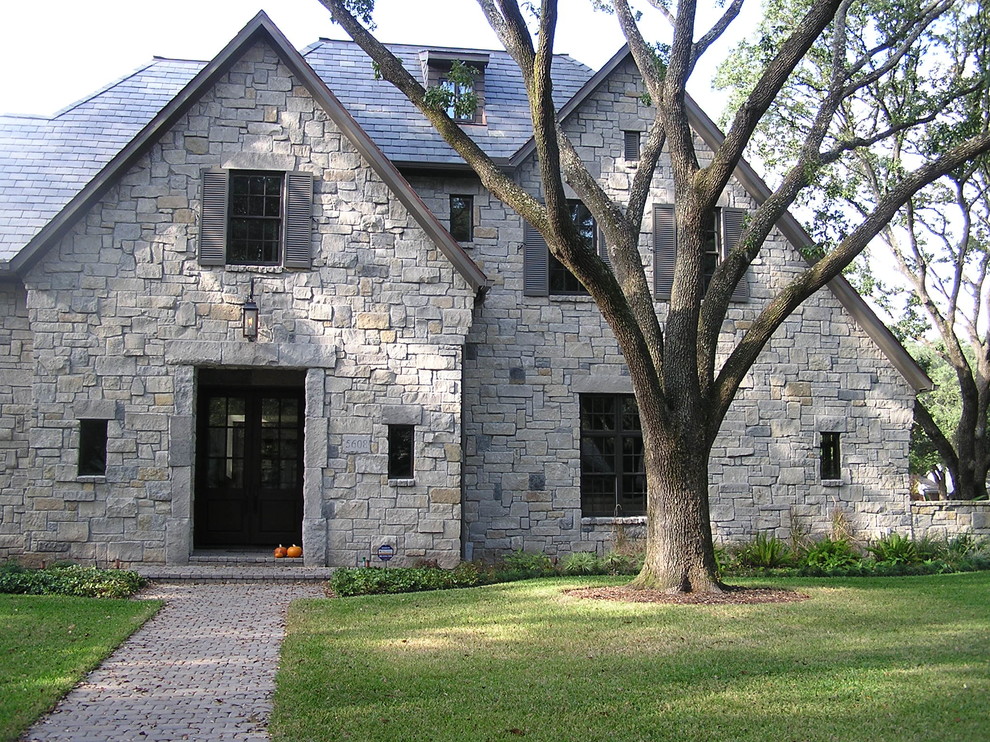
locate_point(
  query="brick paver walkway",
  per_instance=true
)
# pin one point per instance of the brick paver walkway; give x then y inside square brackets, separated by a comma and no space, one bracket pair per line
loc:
[202,669]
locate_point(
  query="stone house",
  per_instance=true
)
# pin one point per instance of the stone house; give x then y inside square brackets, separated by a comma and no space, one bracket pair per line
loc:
[259,301]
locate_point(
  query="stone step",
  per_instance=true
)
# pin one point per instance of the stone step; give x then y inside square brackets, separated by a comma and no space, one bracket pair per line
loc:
[232,572]
[236,564]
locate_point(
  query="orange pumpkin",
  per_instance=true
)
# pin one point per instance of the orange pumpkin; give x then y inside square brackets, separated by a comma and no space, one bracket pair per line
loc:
[280,551]
[294,551]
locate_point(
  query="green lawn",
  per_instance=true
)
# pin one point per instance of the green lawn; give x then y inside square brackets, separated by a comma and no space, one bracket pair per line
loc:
[864,659]
[48,643]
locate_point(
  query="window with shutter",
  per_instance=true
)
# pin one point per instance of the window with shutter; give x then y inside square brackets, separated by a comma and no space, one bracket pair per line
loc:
[721,236]
[256,218]
[630,145]
[543,274]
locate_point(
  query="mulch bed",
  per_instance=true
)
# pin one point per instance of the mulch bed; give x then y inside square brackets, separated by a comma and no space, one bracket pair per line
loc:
[731,596]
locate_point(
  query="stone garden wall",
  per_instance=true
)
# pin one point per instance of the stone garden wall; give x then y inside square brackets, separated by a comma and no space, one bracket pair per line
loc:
[946,519]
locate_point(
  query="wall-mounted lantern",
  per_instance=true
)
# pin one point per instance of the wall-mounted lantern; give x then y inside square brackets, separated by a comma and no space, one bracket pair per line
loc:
[249,312]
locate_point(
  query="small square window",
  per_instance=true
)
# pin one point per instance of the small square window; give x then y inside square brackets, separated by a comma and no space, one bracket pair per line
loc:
[400,451]
[831,464]
[460,91]
[462,218]
[92,447]
[630,145]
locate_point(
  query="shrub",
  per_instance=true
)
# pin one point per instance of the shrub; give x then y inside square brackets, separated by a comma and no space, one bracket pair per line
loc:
[73,580]
[895,549]
[829,555]
[528,564]
[765,552]
[583,563]
[620,563]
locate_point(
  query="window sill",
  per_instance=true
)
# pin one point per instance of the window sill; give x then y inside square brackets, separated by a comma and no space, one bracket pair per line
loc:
[582,298]
[91,478]
[623,520]
[402,482]
[832,482]
[240,268]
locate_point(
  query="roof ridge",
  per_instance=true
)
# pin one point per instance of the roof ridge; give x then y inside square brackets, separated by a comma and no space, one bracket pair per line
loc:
[419,45]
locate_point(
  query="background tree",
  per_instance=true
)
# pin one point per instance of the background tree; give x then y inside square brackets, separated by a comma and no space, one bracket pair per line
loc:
[934,98]
[683,385]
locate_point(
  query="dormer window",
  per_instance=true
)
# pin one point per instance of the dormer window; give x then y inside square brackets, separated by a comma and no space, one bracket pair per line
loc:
[462,74]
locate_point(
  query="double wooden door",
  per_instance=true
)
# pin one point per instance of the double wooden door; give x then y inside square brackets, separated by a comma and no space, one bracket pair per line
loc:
[249,467]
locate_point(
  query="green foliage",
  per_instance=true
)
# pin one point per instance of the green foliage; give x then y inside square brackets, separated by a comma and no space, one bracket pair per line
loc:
[835,557]
[362,10]
[72,580]
[49,642]
[528,563]
[765,552]
[582,563]
[859,660]
[346,582]
[456,96]
[622,563]
[830,555]
[895,549]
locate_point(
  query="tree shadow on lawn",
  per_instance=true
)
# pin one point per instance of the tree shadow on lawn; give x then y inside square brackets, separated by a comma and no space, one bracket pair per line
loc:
[851,663]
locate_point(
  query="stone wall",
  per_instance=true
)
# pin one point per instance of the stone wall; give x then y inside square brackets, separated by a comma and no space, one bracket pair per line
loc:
[123,318]
[529,359]
[946,519]
[16,347]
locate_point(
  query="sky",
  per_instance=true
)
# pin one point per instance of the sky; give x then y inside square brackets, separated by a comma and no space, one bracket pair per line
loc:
[55,52]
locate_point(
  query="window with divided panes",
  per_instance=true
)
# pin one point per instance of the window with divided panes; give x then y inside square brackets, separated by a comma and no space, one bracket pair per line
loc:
[613,473]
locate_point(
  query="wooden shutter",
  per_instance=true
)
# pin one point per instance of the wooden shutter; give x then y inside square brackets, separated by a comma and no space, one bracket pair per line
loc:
[298,220]
[603,249]
[213,218]
[536,276]
[732,227]
[664,250]
[630,145]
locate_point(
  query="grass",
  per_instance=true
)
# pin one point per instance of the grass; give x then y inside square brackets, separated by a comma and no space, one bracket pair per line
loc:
[865,659]
[47,644]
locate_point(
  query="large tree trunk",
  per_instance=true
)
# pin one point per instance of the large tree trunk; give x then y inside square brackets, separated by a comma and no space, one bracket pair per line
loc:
[680,555]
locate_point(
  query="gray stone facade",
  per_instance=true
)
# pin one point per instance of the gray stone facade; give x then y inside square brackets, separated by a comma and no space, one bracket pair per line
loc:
[119,321]
[122,318]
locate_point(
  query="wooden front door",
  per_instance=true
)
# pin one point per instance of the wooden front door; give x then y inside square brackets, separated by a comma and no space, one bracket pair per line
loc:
[249,467]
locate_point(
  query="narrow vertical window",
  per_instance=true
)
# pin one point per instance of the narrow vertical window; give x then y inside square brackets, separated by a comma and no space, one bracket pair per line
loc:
[562,281]
[462,218]
[92,447]
[630,145]
[400,451]
[831,464]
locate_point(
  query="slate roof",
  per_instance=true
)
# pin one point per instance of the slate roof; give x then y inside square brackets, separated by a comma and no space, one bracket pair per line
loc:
[403,133]
[45,162]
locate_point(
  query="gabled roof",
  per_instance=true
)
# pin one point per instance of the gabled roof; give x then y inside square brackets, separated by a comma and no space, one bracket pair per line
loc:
[259,29]
[792,230]
[44,162]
